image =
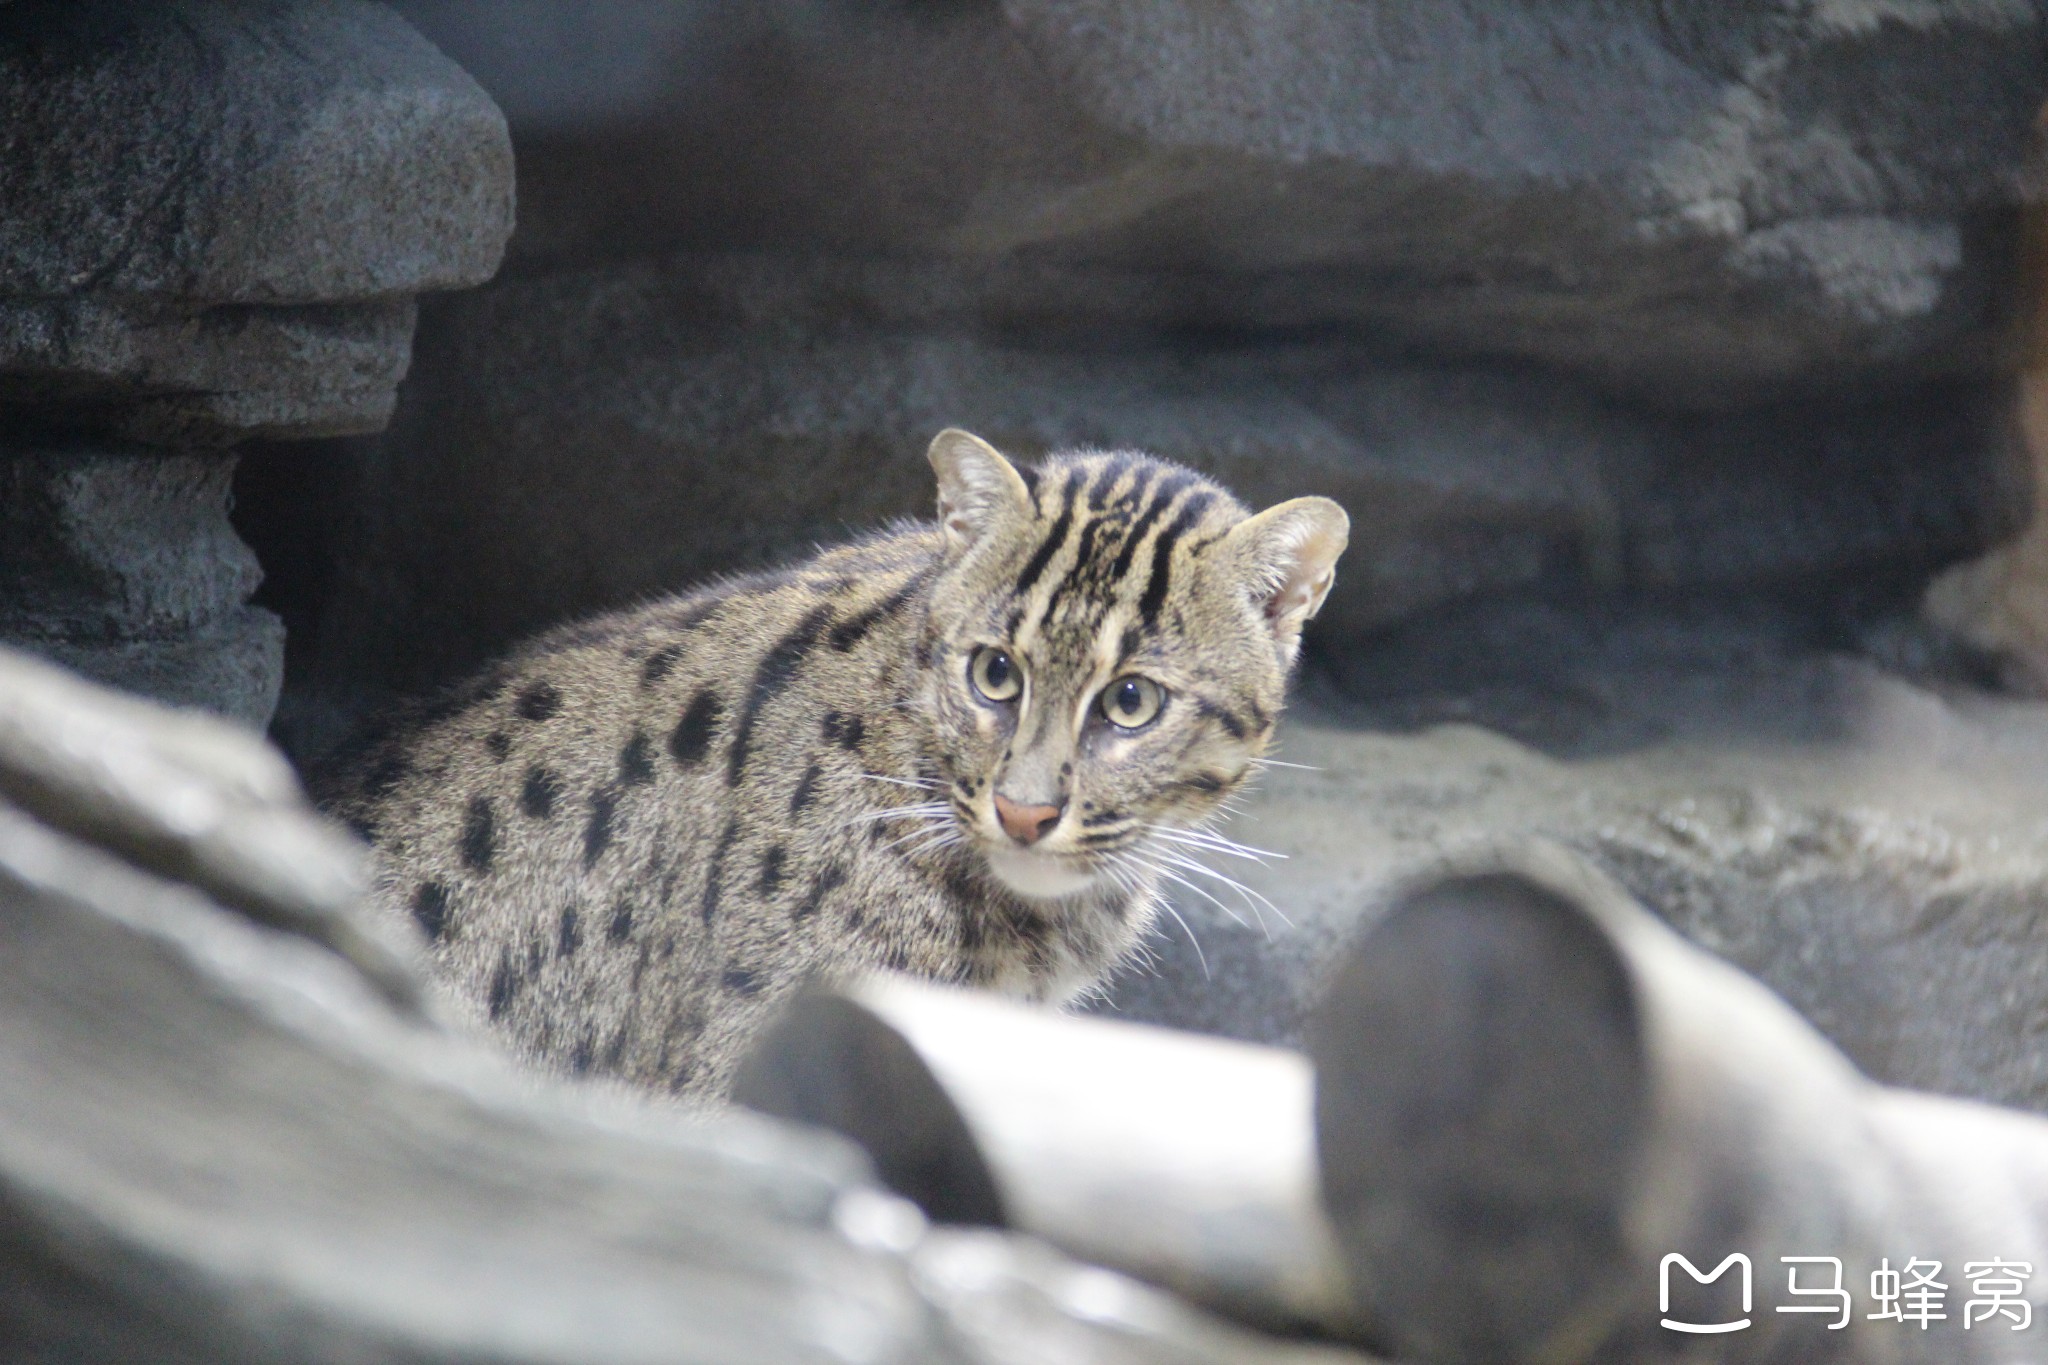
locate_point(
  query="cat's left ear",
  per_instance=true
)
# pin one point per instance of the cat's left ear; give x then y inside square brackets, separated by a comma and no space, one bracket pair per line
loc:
[1290,552]
[978,488]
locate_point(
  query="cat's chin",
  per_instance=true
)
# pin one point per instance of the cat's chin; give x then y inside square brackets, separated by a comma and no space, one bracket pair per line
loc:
[1037,876]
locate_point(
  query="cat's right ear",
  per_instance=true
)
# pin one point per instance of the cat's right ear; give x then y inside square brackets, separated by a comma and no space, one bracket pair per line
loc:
[978,488]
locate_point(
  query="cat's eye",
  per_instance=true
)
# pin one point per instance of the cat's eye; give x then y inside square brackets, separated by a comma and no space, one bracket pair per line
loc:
[1132,701]
[995,674]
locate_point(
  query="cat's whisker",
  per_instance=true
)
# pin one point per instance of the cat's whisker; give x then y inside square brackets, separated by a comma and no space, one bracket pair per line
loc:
[1166,904]
[1204,893]
[929,784]
[933,842]
[1123,868]
[1281,763]
[1133,882]
[1157,867]
[923,810]
[1213,842]
[1247,892]
[924,831]
[1208,843]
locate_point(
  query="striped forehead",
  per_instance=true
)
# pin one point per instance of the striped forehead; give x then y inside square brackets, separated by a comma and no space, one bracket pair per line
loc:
[1109,534]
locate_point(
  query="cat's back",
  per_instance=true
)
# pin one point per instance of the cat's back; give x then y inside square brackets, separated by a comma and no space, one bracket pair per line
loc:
[540,822]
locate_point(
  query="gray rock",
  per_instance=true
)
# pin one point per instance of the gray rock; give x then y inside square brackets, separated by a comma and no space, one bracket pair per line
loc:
[229,1134]
[187,798]
[1870,847]
[233,666]
[1699,205]
[578,441]
[170,376]
[221,1148]
[212,215]
[120,563]
[111,542]
[283,152]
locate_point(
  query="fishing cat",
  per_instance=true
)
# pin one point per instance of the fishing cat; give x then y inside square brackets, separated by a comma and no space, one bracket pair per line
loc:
[963,750]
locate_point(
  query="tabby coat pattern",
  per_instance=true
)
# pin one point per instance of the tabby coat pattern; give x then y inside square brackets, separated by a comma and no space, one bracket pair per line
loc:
[956,750]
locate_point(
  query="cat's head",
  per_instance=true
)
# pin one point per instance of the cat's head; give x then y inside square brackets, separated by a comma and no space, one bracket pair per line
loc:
[1110,639]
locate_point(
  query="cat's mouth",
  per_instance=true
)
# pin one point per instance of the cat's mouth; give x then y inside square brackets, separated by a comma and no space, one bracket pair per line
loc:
[1035,873]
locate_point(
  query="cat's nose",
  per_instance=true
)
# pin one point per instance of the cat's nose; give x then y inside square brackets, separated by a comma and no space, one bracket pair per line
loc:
[1026,824]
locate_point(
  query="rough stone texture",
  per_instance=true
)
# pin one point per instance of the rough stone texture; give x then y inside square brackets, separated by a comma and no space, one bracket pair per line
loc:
[1703,203]
[120,562]
[1872,848]
[186,798]
[219,1142]
[212,215]
[213,220]
[1575,299]
[232,667]
[579,441]
[145,370]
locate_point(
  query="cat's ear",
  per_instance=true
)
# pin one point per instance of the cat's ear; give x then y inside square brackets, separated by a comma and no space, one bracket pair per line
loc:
[1289,552]
[977,487]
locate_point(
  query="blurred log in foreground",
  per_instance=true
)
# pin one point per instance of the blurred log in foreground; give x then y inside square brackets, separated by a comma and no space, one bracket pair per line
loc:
[1530,1094]
[228,1138]
[1183,1159]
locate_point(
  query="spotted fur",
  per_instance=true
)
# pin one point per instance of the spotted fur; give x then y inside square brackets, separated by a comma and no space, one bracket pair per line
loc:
[628,841]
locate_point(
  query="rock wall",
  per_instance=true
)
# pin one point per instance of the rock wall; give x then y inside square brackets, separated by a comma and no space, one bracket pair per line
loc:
[1584,300]
[214,220]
